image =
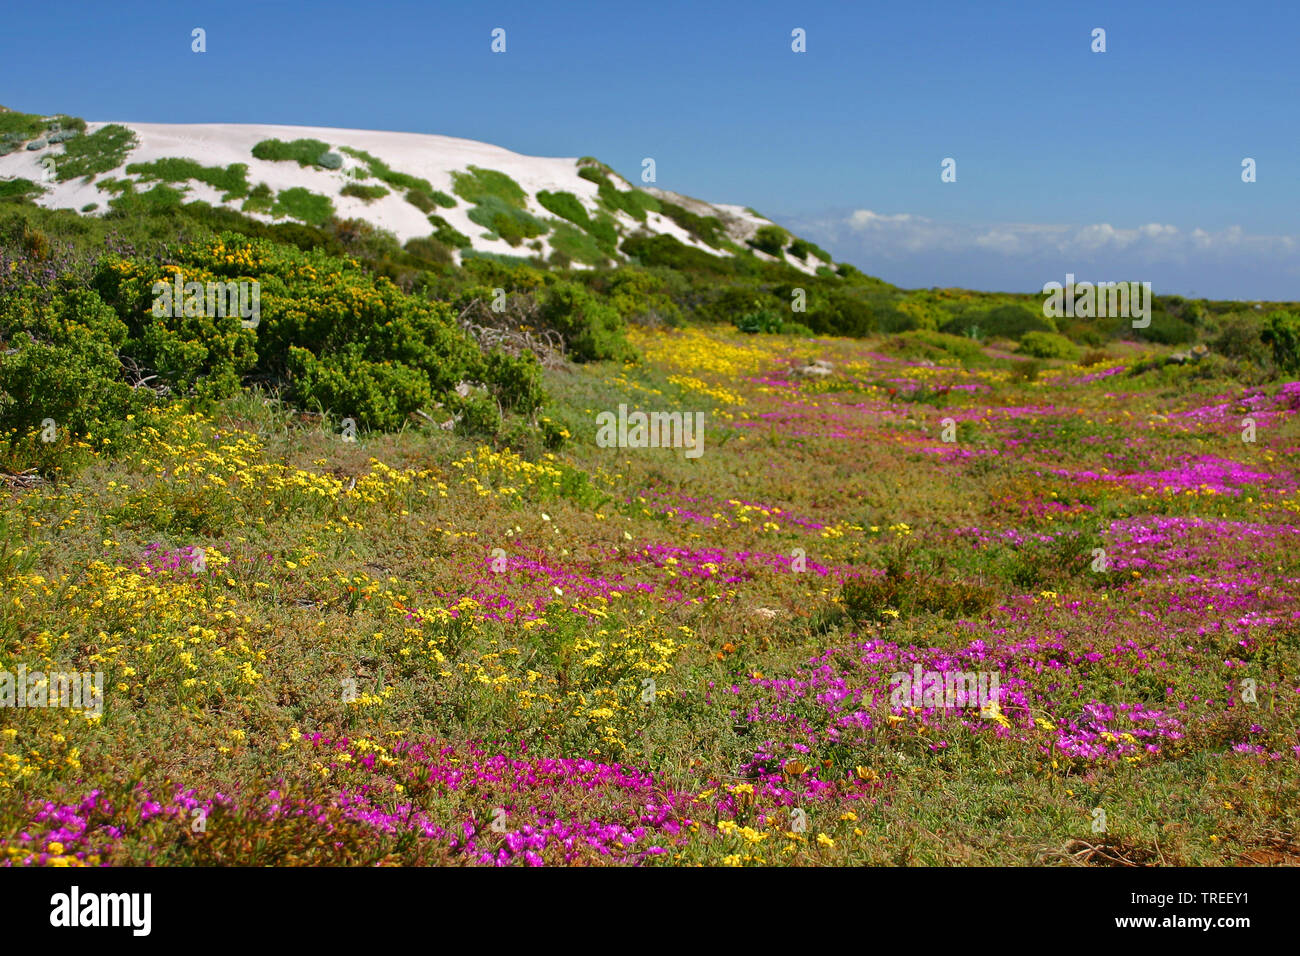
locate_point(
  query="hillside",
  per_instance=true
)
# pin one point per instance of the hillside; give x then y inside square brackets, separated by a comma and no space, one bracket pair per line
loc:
[469,196]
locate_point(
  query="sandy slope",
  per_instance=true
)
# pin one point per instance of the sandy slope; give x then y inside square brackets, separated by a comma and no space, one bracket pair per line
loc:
[427,156]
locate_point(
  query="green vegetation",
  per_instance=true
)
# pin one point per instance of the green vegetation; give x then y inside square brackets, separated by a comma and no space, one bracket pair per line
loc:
[573,245]
[19,189]
[305,152]
[707,229]
[98,152]
[303,204]
[770,239]
[261,199]
[481,186]
[232,181]
[448,235]
[1048,345]
[365,193]
[510,222]
[399,181]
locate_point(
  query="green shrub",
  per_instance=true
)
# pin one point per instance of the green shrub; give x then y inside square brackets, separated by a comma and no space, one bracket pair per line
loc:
[1282,332]
[161,199]
[19,189]
[565,205]
[447,234]
[305,205]
[1166,329]
[429,249]
[479,186]
[1240,337]
[64,365]
[365,193]
[99,152]
[305,152]
[420,200]
[1009,321]
[592,330]
[479,416]
[577,246]
[511,223]
[770,239]
[232,181]
[328,160]
[801,248]
[762,320]
[384,173]
[517,381]
[707,229]
[1048,345]
[379,395]
[443,200]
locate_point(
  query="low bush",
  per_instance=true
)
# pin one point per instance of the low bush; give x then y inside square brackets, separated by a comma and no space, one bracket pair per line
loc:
[592,329]
[447,234]
[305,205]
[365,193]
[770,239]
[1048,345]
[305,152]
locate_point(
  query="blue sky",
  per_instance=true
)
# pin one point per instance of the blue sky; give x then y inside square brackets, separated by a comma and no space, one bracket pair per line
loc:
[1117,165]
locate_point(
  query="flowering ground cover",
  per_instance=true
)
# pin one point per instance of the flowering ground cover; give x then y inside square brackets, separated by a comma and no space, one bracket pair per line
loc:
[410,648]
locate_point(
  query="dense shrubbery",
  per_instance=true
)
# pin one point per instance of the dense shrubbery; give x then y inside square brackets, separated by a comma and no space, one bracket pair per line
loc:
[332,335]
[592,329]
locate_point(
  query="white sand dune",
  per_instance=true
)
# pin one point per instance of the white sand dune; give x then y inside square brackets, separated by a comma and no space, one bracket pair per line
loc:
[426,156]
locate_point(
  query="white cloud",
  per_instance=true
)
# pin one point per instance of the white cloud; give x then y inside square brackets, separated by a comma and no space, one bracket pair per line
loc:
[916,250]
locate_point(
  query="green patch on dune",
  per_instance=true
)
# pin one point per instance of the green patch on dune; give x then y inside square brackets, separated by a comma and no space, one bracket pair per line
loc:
[17,190]
[304,205]
[511,223]
[232,180]
[364,193]
[102,150]
[480,185]
[305,152]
